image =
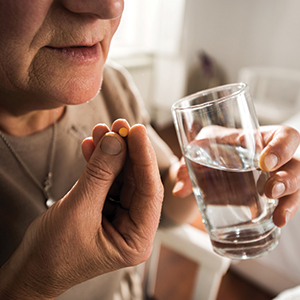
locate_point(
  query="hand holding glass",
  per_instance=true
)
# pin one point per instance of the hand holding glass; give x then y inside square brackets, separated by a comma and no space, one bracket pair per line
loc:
[220,139]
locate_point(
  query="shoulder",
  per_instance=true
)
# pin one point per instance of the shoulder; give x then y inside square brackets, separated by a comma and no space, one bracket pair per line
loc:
[112,68]
[116,74]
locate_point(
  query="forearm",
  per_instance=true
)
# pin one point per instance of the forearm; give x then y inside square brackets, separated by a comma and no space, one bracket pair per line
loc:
[16,283]
[179,210]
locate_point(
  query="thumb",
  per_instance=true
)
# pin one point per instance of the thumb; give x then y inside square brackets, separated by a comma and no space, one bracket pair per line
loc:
[102,169]
[183,185]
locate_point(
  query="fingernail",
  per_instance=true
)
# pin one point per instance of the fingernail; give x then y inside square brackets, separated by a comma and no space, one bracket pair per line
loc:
[110,145]
[178,186]
[271,161]
[287,216]
[278,189]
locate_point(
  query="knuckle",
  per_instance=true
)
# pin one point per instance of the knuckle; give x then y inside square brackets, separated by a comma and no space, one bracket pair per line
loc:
[161,191]
[290,140]
[293,132]
[99,171]
[138,251]
[294,181]
[291,179]
[284,152]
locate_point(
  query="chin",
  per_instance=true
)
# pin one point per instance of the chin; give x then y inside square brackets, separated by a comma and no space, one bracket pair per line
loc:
[80,98]
[67,82]
[79,91]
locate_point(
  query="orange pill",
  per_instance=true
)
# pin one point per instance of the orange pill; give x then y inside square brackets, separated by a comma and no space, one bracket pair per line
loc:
[123,132]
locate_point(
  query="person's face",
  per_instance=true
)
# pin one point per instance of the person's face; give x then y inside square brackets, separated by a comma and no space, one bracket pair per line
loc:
[54,49]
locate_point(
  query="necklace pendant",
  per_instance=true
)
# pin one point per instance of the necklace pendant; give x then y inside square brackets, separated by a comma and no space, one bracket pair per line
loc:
[48,182]
[49,202]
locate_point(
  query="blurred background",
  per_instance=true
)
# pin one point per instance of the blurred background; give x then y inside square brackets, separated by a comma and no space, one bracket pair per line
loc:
[173,48]
[176,47]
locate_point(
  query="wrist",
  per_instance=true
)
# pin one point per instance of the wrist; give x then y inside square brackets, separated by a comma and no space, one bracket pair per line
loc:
[17,282]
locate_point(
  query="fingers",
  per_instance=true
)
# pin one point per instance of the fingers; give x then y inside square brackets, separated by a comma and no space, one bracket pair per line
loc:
[103,166]
[121,127]
[88,145]
[276,158]
[147,196]
[183,186]
[98,132]
[284,185]
[285,181]
[286,209]
[87,148]
[281,146]
[145,171]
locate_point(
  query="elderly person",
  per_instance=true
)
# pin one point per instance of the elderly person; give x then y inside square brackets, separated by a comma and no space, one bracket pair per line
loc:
[72,222]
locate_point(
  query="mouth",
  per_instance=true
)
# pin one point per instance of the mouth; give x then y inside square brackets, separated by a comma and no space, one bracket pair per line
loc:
[78,53]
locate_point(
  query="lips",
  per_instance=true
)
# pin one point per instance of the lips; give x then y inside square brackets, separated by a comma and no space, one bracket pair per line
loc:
[77,53]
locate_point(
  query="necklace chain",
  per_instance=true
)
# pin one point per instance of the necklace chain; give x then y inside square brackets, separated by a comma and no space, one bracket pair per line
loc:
[48,180]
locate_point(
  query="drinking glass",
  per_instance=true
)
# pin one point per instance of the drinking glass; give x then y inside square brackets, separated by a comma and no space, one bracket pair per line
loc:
[219,135]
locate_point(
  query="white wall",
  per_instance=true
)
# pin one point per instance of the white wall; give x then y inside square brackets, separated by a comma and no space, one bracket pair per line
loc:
[237,33]
[240,33]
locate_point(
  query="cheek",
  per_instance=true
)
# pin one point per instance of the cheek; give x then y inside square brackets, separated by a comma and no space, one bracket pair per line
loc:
[20,22]
[115,24]
[14,69]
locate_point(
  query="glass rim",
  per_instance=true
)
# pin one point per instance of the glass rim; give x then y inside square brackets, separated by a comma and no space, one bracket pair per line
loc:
[209,91]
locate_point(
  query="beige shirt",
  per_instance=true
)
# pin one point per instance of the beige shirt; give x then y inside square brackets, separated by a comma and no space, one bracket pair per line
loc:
[21,201]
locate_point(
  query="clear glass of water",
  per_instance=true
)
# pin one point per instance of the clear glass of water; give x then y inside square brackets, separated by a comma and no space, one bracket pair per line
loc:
[220,139]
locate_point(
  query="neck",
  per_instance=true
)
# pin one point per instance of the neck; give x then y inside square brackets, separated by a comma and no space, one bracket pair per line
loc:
[32,122]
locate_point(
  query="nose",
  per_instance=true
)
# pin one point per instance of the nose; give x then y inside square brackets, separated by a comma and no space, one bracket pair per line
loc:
[104,9]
